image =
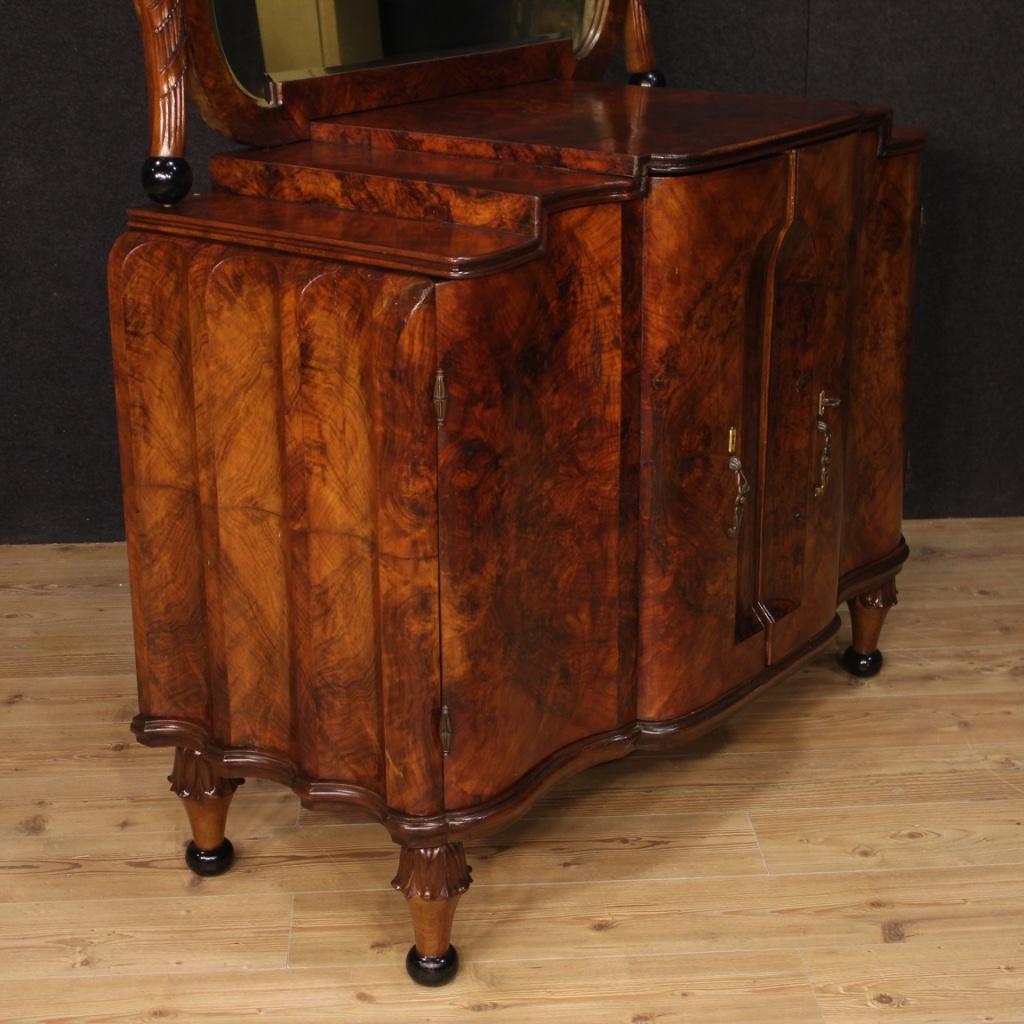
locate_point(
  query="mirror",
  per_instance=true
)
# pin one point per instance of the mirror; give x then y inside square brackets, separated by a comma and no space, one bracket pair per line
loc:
[284,40]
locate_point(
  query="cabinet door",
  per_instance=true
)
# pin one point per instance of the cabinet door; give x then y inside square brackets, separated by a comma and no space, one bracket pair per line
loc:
[809,317]
[708,244]
[537,509]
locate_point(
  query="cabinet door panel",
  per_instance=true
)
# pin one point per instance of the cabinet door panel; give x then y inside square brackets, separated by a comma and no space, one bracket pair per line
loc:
[810,324]
[537,518]
[708,241]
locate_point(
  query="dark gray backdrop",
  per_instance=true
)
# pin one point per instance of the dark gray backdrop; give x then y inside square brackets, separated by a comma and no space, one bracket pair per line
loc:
[73,131]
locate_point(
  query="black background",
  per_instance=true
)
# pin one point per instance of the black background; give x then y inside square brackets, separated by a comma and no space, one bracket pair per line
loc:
[73,133]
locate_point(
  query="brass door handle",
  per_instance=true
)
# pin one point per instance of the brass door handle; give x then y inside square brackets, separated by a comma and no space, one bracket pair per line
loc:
[825,462]
[742,491]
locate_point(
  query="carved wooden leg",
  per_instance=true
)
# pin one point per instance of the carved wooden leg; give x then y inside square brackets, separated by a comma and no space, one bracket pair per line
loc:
[432,880]
[867,611]
[207,797]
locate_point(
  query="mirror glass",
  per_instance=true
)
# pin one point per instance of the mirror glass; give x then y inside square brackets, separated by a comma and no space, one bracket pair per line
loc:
[283,40]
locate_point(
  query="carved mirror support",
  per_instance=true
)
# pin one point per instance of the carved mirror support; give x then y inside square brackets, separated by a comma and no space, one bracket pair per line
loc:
[166,175]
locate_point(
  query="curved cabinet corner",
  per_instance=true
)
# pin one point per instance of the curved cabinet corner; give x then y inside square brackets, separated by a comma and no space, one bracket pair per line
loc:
[279,479]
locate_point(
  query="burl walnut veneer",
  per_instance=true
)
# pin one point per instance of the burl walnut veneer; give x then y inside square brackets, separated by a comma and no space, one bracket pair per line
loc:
[489,423]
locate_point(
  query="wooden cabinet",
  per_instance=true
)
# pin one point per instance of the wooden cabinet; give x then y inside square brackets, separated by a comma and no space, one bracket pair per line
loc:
[471,442]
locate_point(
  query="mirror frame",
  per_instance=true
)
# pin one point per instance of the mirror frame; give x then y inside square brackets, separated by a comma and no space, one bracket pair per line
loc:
[180,44]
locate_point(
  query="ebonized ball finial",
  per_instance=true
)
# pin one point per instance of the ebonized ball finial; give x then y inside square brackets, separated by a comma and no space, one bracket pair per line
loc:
[209,863]
[653,79]
[432,970]
[167,179]
[864,666]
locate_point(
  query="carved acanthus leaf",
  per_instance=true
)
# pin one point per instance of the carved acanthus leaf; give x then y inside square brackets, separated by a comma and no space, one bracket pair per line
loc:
[434,873]
[884,597]
[193,778]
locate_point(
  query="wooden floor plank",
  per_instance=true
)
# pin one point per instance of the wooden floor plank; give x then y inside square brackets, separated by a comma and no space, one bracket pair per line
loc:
[123,803]
[929,983]
[59,566]
[730,989]
[919,835]
[42,702]
[909,672]
[47,939]
[581,848]
[905,723]
[730,780]
[753,913]
[964,538]
[278,861]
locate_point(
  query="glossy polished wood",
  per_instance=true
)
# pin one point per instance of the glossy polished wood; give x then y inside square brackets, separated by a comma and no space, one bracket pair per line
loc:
[493,194]
[607,129]
[422,247]
[537,503]
[473,443]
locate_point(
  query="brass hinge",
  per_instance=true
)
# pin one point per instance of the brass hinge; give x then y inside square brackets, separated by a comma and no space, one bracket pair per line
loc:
[446,731]
[440,397]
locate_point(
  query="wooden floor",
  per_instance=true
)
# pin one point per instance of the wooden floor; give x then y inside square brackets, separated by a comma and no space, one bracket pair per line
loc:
[840,853]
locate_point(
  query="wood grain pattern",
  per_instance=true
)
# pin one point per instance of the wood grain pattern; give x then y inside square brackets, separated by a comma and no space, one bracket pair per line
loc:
[309,614]
[601,128]
[706,248]
[879,355]
[423,246]
[152,352]
[808,343]
[492,194]
[685,916]
[536,567]
[939,835]
[720,988]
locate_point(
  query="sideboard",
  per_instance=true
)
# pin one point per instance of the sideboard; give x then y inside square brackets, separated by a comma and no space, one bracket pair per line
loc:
[485,422]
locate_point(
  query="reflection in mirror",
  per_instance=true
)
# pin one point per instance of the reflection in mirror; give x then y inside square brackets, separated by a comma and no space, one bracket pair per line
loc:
[283,40]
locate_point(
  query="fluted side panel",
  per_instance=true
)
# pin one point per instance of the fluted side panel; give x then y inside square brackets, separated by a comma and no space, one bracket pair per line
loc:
[280,464]
[238,373]
[368,537]
[150,328]
[340,690]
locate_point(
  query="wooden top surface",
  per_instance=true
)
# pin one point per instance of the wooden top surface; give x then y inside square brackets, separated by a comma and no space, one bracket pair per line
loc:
[601,128]
[420,246]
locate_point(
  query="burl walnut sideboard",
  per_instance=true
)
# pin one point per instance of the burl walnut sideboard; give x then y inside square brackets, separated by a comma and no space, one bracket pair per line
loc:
[485,422]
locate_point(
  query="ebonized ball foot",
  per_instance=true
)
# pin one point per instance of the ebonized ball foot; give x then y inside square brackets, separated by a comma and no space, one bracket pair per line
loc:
[166,179]
[652,79]
[861,665]
[210,862]
[432,970]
